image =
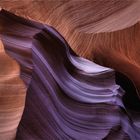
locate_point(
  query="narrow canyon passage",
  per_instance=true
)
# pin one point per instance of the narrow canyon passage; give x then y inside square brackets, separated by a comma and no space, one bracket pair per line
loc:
[82,75]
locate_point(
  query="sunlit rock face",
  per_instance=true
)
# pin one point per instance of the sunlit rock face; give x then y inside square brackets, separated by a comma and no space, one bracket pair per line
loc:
[99,30]
[12,96]
[68,97]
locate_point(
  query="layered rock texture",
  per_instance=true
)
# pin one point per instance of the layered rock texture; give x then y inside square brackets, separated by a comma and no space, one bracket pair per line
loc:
[12,96]
[81,68]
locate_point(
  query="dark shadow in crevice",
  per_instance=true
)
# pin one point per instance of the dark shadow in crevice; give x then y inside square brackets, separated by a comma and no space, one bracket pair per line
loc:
[130,99]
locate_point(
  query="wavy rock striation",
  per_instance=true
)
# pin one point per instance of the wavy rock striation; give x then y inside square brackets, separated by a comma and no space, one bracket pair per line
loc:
[99,30]
[68,97]
[12,96]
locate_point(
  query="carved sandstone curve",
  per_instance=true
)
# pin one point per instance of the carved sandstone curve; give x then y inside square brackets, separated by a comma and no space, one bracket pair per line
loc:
[12,96]
[79,24]
[68,97]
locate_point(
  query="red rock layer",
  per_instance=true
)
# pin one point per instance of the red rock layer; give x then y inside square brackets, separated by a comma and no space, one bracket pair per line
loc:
[12,96]
[97,30]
